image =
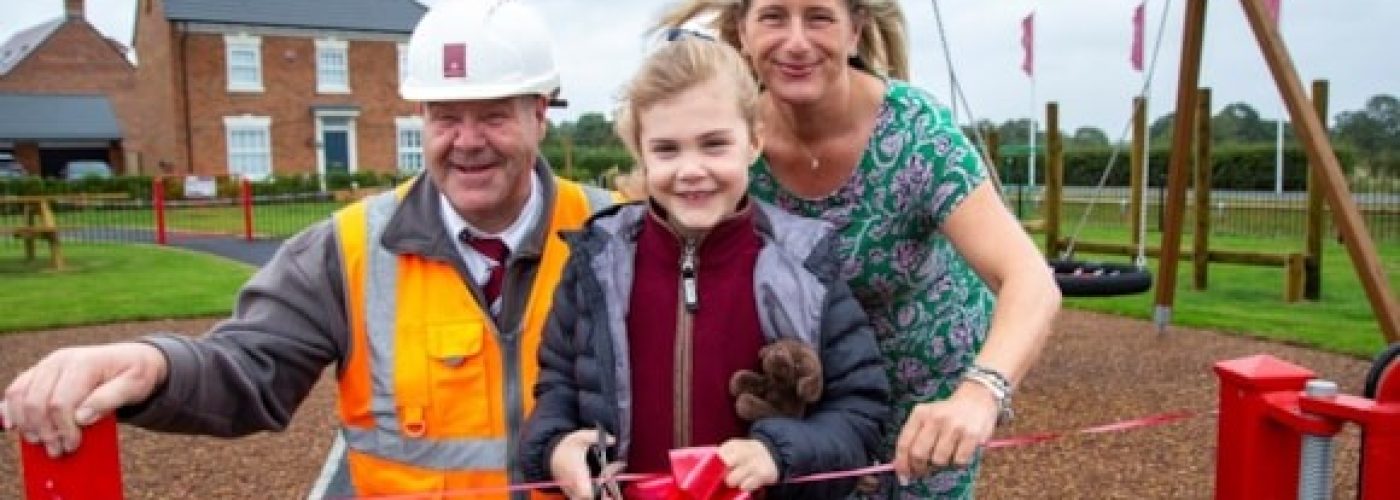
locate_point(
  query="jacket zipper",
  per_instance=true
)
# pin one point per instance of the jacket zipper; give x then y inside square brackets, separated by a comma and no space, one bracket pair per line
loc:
[690,302]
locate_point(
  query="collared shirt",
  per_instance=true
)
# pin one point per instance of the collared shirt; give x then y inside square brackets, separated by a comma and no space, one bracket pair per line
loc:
[477,264]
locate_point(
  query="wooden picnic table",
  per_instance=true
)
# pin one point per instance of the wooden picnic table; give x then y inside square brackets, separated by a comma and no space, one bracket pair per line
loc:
[40,224]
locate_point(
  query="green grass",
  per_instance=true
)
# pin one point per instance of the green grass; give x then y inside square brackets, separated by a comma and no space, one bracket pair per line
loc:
[106,283]
[1249,299]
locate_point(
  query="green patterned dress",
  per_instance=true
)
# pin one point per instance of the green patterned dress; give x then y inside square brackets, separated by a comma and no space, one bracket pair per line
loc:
[929,309]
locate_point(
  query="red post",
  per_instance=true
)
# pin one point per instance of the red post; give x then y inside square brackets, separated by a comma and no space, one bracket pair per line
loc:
[158,201]
[246,194]
[93,471]
[1259,437]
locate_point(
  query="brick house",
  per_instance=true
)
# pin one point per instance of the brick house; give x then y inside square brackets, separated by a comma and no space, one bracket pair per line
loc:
[248,87]
[67,93]
[255,87]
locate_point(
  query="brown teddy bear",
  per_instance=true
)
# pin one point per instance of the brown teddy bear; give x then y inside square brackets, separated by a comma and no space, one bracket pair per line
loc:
[791,379]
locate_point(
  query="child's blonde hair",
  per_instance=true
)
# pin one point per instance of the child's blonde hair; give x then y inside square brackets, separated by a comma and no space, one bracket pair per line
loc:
[673,68]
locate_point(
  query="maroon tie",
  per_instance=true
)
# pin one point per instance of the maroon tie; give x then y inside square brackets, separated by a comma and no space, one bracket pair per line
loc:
[496,250]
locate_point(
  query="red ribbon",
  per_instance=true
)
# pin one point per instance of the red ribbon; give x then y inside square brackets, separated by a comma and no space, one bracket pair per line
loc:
[696,474]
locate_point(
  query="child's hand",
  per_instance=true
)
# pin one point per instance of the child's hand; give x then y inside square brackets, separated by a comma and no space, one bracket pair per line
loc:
[749,465]
[569,464]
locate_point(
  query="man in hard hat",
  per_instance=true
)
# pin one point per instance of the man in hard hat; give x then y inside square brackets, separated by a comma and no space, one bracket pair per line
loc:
[429,299]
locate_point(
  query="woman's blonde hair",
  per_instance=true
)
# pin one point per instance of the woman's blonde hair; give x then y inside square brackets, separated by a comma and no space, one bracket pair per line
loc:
[675,67]
[883,47]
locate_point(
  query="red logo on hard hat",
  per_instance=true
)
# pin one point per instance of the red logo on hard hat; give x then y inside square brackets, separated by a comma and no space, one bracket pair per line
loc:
[454,60]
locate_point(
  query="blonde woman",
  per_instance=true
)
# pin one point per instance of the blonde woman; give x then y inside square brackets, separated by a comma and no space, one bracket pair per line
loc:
[961,300]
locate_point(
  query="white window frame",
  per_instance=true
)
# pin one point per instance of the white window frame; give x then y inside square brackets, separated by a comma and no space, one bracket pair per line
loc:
[241,153]
[325,84]
[403,62]
[409,157]
[234,44]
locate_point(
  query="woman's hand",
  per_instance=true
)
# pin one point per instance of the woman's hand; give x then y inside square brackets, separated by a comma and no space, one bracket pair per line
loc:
[569,463]
[748,464]
[945,433]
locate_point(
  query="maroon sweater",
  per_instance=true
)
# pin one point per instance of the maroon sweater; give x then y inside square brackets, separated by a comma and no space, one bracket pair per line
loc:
[682,360]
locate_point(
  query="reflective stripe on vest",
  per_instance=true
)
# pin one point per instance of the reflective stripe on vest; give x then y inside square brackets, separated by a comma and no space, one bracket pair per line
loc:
[425,386]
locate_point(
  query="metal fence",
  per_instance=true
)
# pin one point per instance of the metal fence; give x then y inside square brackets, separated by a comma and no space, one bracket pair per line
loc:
[1254,214]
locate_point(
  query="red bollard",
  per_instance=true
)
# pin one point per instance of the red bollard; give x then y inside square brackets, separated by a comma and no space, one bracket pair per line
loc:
[93,471]
[245,191]
[1261,427]
[158,201]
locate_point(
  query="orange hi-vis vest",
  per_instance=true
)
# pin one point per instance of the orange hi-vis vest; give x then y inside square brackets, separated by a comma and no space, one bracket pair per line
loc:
[431,392]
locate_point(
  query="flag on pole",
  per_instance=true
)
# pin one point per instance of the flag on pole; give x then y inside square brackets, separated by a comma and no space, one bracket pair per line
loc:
[1273,7]
[1028,44]
[1136,55]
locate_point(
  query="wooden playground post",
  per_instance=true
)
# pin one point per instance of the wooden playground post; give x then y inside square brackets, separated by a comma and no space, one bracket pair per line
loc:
[1177,171]
[993,142]
[1313,135]
[1137,177]
[1312,278]
[1200,254]
[1054,179]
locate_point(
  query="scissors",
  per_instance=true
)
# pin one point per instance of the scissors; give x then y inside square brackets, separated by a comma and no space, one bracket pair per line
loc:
[605,485]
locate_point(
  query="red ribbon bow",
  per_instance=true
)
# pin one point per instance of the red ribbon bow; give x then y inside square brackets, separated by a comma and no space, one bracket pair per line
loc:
[696,474]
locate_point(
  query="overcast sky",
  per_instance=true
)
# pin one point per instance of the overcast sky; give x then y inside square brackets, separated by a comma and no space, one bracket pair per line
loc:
[1081,51]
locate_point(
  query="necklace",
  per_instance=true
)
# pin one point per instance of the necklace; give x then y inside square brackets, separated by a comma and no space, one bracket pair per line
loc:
[816,162]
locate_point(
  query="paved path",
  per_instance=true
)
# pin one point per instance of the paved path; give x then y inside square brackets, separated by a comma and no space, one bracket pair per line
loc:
[255,253]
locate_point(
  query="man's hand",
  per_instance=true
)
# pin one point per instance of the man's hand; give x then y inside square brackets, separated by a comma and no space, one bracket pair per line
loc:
[749,466]
[569,463]
[73,387]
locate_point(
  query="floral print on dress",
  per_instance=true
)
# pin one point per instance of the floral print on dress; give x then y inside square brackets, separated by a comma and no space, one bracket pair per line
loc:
[929,309]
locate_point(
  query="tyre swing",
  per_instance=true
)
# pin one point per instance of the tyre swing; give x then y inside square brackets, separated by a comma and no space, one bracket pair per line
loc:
[1075,278]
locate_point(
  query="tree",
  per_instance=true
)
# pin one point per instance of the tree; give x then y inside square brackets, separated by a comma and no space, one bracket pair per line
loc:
[1375,133]
[594,130]
[1015,132]
[1240,123]
[1161,129]
[1089,137]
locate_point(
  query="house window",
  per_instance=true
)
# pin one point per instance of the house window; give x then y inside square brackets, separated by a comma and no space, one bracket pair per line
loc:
[403,62]
[244,56]
[249,146]
[332,66]
[410,134]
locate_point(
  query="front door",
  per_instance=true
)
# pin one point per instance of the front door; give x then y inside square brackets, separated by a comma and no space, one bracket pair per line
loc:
[337,151]
[337,154]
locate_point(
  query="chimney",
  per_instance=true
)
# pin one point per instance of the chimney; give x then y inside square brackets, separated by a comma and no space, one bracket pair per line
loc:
[73,9]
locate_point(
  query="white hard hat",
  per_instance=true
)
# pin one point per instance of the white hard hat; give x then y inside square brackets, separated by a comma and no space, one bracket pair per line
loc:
[479,49]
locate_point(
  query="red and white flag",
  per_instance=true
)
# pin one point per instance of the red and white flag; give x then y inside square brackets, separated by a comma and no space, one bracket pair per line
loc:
[1136,56]
[1028,44]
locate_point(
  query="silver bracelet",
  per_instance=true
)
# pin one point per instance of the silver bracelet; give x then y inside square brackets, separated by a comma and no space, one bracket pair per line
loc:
[998,385]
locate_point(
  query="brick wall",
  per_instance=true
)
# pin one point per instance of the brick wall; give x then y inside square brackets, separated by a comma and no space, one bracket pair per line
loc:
[76,59]
[288,96]
[161,114]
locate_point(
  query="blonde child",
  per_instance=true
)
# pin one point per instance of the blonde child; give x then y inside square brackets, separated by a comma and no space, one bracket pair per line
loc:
[663,301]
